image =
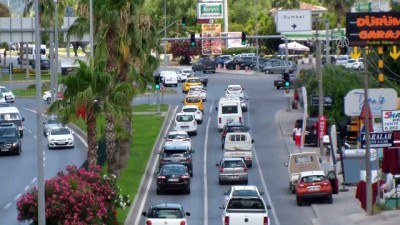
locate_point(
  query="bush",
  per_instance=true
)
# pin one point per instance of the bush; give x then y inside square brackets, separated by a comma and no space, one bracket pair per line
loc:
[236,51]
[78,197]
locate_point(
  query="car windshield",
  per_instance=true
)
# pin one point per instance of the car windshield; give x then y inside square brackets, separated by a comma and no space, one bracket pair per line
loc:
[190,110]
[351,61]
[184,118]
[313,178]
[174,153]
[234,88]
[192,100]
[173,170]
[342,58]
[7,133]
[233,109]
[193,81]
[165,213]
[4,89]
[245,193]
[177,136]
[60,131]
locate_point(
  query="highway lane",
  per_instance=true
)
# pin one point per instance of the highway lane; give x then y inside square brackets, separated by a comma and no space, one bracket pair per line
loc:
[19,173]
[268,171]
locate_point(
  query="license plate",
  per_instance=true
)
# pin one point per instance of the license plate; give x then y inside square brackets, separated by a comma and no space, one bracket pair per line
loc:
[229,120]
[4,149]
[173,179]
[61,143]
[184,127]
[313,188]
[233,177]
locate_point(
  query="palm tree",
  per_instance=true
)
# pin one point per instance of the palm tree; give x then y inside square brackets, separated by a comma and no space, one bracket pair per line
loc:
[285,4]
[83,89]
[340,7]
[4,12]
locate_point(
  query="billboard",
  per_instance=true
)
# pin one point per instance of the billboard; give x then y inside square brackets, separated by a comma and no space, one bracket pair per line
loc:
[373,28]
[235,43]
[211,47]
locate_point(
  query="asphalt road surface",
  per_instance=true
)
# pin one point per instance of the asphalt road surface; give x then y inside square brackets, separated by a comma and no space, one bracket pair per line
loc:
[268,171]
[19,173]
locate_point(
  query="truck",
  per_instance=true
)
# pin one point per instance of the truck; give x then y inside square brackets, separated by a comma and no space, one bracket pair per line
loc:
[301,162]
[239,145]
[245,210]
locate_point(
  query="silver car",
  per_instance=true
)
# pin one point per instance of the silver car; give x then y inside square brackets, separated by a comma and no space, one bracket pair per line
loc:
[232,170]
[50,123]
[280,67]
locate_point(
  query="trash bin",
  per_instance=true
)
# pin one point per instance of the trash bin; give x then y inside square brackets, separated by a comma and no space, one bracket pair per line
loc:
[354,162]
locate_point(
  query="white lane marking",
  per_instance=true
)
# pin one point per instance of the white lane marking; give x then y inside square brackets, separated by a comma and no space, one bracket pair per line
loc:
[153,169]
[27,187]
[44,153]
[44,159]
[29,131]
[33,180]
[30,110]
[205,169]
[34,136]
[8,205]
[17,197]
[82,140]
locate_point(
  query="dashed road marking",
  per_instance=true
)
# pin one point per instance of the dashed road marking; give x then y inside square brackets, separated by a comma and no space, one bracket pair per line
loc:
[8,205]
[27,187]
[34,136]
[17,197]
[33,180]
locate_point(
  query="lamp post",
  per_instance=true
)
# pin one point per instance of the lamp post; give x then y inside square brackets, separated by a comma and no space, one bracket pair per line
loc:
[55,46]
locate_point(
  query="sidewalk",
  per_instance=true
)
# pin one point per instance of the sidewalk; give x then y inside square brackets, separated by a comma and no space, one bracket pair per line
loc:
[346,209]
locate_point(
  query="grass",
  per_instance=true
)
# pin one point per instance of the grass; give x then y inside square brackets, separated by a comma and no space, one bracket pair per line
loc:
[146,129]
[24,92]
[22,76]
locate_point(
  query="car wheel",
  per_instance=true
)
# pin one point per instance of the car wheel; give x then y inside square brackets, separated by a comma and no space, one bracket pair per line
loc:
[246,182]
[250,165]
[222,146]
[213,71]
[188,191]
[200,121]
[18,152]
[195,133]
[221,182]
[267,72]
[159,192]
[278,87]
[330,200]
[176,85]
[21,133]
[298,200]
[191,173]
[49,147]
[48,100]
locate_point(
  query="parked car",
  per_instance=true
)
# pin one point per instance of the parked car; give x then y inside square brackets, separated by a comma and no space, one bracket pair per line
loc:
[60,137]
[44,64]
[341,60]
[47,96]
[222,59]
[8,95]
[280,67]
[355,64]
[177,153]
[173,177]
[202,76]
[204,65]
[166,213]
[232,170]
[237,61]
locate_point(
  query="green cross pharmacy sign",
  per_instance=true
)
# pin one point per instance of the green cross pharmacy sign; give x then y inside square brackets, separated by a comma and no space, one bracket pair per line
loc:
[210,10]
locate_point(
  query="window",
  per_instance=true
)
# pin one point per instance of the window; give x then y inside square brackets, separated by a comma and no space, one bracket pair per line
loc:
[166,213]
[193,100]
[184,118]
[313,178]
[303,159]
[232,109]
[251,203]
[237,137]
[230,164]
[60,131]
[10,116]
[234,88]
[190,110]
[7,133]
[174,153]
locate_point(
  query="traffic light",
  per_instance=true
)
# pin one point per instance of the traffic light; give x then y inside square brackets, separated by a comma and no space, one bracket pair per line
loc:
[286,78]
[192,39]
[157,81]
[184,23]
[243,38]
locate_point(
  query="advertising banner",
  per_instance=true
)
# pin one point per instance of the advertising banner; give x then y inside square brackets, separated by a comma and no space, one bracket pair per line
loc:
[390,120]
[211,47]
[377,140]
[235,43]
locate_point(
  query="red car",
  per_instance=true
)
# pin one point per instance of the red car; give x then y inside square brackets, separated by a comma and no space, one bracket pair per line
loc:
[315,185]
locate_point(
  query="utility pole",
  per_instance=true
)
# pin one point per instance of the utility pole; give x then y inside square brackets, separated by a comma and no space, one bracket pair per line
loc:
[39,122]
[366,108]
[226,22]
[55,47]
[165,32]
[327,46]
[51,58]
[257,47]
[319,77]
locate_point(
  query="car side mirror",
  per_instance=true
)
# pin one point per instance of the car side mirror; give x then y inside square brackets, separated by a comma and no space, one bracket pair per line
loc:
[187,213]
[216,108]
[217,164]
[221,206]
[44,122]
[47,133]
[268,207]
[225,193]
[261,193]
[320,160]
[252,140]
[286,164]
[23,119]
[144,214]
[192,151]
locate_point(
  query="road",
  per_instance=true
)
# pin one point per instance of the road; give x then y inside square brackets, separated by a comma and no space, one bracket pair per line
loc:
[268,171]
[19,173]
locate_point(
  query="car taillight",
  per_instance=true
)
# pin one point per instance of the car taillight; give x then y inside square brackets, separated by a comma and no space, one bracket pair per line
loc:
[240,119]
[148,222]
[219,120]
[194,122]
[265,220]
[226,220]
[245,169]
[161,177]
[326,183]
[198,112]
[301,185]
[221,169]
[224,133]
[182,222]
[184,177]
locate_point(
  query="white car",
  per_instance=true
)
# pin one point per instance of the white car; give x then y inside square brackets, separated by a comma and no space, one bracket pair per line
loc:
[166,214]
[8,95]
[198,90]
[183,74]
[186,122]
[60,137]
[178,136]
[234,91]
[242,190]
[355,64]
[47,96]
[198,115]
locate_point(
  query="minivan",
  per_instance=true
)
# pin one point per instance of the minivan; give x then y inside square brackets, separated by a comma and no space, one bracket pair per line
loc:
[229,110]
[12,115]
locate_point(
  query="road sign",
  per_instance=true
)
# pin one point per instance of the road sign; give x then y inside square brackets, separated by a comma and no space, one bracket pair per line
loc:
[394,53]
[162,88]
[322,125]
[5,70]
[355,54]
[293,20]
[390,120]
[213,10]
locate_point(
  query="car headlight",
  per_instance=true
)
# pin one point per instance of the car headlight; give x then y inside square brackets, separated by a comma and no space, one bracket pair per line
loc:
[69,139]
[15,144]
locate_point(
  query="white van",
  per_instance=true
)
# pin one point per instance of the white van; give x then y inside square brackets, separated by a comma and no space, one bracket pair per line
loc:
[169,78]
[11,114]
[239,144]
[229,110]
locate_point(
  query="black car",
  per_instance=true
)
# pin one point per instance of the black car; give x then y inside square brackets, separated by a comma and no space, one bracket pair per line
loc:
[204,65]
[173,177]
[202,76]
[177,153]
[222,59]
[9,139]
[44,64]
[232,127]
[237,61]
[165,210]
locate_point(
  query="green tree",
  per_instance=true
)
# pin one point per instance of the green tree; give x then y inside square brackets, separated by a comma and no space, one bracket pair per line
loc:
[83,89]
[4,12]
[340,8]
[286,4]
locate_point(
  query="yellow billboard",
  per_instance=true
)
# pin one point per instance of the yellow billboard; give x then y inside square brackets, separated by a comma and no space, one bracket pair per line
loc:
[211,47]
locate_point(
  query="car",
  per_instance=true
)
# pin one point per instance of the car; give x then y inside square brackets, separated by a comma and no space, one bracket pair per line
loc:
[181,137]
[60,137]
[281,82]
[237,61]
[341,60]
[195,100]
[183,74]
[243,103]
[234,90]
[186,122]
[173,177]
[177,153]
[44,64]
[313,185]
[50,123]
[232,127]
[198,114]
[166,213]
[232,170]
[280,67]
[47,96]
[9,139]
[222,59]
[4,104]
[204,65]
[242,190]
[245,210]
[198,90]
[192,81]
[8,95]
[202,76]
[354,64]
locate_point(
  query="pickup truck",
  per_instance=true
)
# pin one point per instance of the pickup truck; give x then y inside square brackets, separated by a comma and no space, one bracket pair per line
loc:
[245,210]
[301,162]
[239,145]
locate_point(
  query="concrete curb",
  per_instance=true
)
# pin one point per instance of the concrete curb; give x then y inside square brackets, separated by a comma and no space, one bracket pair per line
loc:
[156,145]
[77,130]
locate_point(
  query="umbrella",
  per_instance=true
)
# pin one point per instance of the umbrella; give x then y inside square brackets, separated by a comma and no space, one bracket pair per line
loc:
[294,46]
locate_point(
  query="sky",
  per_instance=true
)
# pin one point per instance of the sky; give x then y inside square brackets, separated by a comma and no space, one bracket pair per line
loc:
[16,6]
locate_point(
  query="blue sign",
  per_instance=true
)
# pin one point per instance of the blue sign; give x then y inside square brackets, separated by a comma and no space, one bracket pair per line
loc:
[69,11]
[5,70]
[378,140]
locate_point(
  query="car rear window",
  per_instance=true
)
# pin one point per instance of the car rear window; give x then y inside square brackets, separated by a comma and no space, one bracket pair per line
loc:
[173,170]
[313,178]
[244,193]
[232,109]
[190,110]
[237,137]
[174,153]
[193,99]
[184,118]
[231,163]
[234,88]
[251,203]
[165,213]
